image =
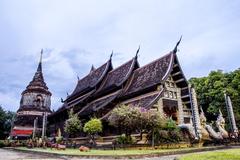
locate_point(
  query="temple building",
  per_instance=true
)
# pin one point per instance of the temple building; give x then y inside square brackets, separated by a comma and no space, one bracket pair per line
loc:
[159,85]
[35,102]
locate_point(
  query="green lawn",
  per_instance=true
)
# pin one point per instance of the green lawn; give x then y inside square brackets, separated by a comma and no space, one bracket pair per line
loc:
[103,152]
[229,154]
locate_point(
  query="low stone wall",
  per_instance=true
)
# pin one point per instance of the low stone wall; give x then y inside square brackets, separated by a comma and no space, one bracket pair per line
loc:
[149,146]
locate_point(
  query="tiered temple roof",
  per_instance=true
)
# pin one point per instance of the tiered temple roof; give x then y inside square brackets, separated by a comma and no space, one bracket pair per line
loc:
[111,88]
[117,77]
[149,75]
[128,84]
[87,85]
[146,101]
[99,104]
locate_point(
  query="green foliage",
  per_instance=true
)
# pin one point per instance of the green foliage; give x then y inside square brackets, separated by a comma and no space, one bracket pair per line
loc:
[93,126]
[165,136]
[6,118]
[210,92]
[59,139]
[2,144]
[123,139]
[175,136]
[167,132]
[73,124]
[171,125]
[136,119]
[153,120]
[2,120]
[125,117]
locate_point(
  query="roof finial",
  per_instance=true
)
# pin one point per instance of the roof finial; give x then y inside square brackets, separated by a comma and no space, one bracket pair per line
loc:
[62,100]
[111,55]
[137,51]
[175,49]
[92,68]
[77,77]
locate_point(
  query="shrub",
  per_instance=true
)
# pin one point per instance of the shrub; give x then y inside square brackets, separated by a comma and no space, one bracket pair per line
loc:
[175,136]
[164,136]
[59,140]
[7,143]
[73,124]
[125,117]
[123,139]
[2,144]
[93,127]
[160,136]
[170,125]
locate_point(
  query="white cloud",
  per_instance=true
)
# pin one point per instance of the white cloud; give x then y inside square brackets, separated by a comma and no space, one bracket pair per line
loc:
[77,34]
[9,100]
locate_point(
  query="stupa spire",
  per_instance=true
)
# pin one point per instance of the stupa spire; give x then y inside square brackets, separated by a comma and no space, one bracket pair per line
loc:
[38,79]
[39,69]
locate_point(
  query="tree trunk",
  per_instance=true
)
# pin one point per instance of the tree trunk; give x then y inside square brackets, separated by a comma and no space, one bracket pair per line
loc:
[153,138]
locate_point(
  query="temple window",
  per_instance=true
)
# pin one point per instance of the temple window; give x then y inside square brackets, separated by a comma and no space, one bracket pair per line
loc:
[168,84]
[166,94]
[39,101]
[186,120]
[155,107]
[171,94]
[175,95]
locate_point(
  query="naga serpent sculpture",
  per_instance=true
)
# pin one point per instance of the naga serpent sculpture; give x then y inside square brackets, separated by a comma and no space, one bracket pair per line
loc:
[220,123]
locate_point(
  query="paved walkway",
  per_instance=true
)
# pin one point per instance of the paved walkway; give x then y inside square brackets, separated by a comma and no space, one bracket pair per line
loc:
[6,154]
[14,155]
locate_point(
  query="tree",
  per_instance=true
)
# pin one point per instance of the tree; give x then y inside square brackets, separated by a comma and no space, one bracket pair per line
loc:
[154,121]
[210,93]
[133,119]
[93,127]
[73,124]
[125,117]
[2,121]
[6,119]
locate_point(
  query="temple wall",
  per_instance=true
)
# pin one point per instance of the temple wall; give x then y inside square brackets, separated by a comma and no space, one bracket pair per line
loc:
[187,114]
[29,99]
[180,107]
[172,92]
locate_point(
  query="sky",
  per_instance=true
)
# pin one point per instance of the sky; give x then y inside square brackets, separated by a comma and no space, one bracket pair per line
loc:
[75,34]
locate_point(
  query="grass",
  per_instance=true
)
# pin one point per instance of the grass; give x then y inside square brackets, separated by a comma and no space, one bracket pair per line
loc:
[119,152]
[229,154]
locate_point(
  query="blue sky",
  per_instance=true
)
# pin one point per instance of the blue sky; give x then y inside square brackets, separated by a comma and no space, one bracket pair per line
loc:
[76,34]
